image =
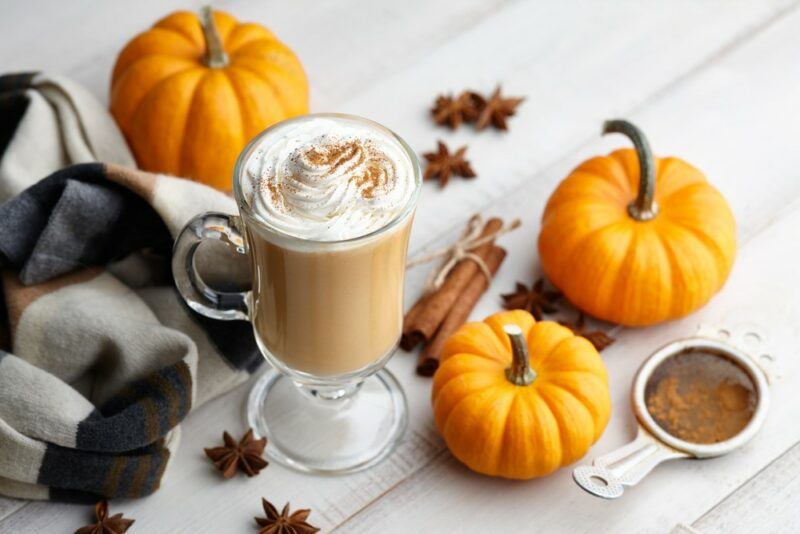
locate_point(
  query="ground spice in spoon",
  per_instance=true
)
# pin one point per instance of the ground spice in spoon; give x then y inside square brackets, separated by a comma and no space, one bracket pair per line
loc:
[701,397]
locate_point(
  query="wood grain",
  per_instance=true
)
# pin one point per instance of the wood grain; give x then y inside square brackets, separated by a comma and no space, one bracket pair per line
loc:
[766,224]
[575,70]
[681,490]
[764,504]
[714,81]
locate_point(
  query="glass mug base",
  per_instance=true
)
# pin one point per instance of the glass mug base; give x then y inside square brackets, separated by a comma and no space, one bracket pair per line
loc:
[327,436]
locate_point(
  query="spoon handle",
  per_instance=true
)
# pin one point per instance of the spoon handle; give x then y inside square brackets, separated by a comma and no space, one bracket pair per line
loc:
[626,466]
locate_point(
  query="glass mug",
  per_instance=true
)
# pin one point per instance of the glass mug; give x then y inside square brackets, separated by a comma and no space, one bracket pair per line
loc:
[326,314]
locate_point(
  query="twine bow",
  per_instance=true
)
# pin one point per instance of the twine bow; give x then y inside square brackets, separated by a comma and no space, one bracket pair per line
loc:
[461,250]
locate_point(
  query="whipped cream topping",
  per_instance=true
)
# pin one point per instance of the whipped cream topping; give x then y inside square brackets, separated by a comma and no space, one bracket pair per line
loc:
[328,179]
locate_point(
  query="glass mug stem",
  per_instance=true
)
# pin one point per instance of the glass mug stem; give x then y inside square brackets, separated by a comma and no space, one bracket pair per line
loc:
[332,395]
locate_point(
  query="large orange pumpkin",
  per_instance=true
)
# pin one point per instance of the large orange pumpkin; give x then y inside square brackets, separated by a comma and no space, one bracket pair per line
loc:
[634,239]
[190,93]
[503,413]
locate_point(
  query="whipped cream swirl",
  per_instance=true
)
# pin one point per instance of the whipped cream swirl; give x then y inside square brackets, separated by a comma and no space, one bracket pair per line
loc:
[328,179]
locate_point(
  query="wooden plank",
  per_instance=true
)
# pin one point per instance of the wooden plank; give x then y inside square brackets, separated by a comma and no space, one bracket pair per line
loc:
[340,53]
[446,495]
[766,503]
[78,39]
[347,45]
[344,45]
[9,506]
[576,70]
[572,87]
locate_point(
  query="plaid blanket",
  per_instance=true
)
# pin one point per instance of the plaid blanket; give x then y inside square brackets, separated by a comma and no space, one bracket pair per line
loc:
[103,358]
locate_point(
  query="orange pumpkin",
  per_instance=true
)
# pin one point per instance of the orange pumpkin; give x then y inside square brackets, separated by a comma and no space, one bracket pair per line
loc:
[503,413]
[190,93]
[637,256]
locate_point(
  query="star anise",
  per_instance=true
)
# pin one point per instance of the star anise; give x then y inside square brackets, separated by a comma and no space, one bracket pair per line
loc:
[442,164]
[536,300]
[452,112]
[246,455]
[599,339]
[284,523]
[496,110]
[116,524]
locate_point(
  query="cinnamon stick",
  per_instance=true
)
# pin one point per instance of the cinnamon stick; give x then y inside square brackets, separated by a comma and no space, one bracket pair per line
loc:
[411,335]
[424,318]
[429,358]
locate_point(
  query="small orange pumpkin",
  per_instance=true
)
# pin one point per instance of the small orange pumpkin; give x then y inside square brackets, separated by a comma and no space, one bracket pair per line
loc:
[637,257]
[190,93]
[503,413]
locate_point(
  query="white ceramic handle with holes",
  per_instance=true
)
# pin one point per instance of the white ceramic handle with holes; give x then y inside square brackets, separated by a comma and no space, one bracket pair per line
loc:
[750,338]
[626,466]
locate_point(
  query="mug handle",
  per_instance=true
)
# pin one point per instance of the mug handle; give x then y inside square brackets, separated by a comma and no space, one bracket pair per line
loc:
[226,306]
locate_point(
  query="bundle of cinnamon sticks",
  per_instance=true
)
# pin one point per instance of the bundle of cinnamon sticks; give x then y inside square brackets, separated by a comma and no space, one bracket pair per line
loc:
[442,310]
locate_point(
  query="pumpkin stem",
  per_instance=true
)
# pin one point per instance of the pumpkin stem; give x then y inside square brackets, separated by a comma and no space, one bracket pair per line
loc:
[520,372]
[215,53]
[644,207]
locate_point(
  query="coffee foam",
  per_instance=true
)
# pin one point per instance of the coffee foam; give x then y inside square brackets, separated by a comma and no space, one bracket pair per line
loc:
[328,179]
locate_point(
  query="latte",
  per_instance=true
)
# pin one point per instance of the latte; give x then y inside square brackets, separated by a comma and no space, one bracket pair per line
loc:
[330,201]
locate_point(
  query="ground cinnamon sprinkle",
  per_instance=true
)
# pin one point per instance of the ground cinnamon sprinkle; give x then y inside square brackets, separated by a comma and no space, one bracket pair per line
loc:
[368,182]
[700,397]
[273,191]
[355,155]
[334,155]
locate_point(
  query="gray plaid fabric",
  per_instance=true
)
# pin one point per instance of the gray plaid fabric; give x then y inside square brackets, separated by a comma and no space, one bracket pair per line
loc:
[103,359]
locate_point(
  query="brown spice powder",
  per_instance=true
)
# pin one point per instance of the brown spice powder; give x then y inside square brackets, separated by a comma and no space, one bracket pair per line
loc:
[273,192]
[334,155]
[353,154]
[701,397]
[368,182]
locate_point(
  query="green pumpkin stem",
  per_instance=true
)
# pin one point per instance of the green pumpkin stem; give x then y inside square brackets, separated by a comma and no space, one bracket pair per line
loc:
[215,53]
[644,206]
[520,372]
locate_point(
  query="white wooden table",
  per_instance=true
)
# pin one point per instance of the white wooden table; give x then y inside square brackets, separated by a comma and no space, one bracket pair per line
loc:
[715,82]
